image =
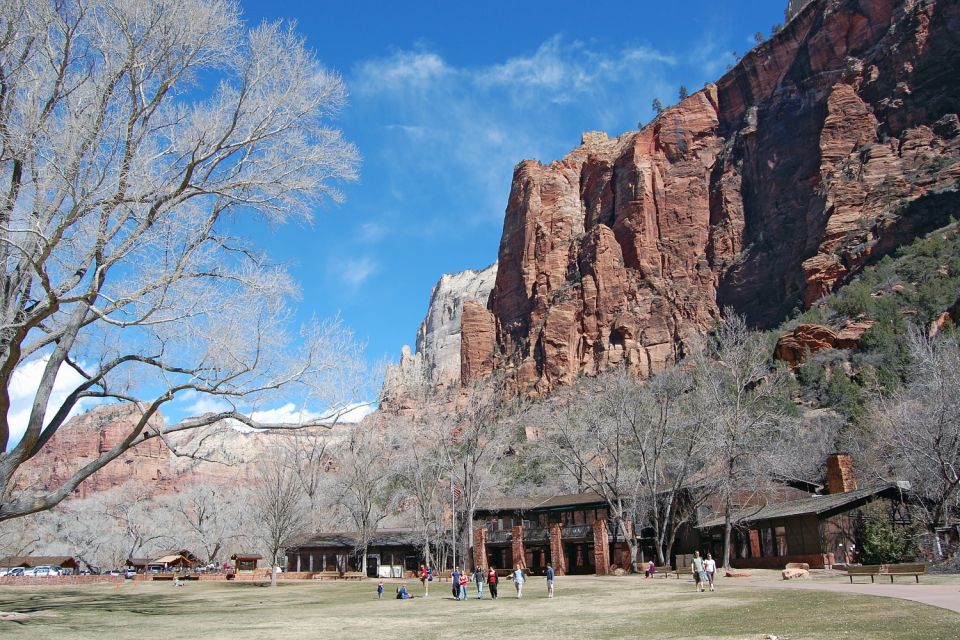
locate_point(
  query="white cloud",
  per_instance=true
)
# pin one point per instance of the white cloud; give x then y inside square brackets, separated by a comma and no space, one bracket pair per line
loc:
[290,413]
[355,271]
[403,70]
[198,404]
[372,232]
[467,127]
[23,390]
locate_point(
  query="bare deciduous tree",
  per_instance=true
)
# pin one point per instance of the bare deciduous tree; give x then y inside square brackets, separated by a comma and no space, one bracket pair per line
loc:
[120,177]
[210,517]
[591,439]
[917,432]
[478,428]
[365,485]
[742,396]
[279,508]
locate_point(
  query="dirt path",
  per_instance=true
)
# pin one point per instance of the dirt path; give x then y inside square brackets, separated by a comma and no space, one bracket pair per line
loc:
[945,596]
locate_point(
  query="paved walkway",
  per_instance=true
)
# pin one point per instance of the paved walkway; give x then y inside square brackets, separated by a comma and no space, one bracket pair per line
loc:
[945,596]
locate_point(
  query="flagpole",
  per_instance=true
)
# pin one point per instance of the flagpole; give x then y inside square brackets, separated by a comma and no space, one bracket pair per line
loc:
[453,512]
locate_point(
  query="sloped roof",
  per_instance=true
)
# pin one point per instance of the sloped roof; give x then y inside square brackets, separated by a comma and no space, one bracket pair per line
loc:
[537,503]
[382,538]
[246,556]
[171,559]
[814,505]
[37,561]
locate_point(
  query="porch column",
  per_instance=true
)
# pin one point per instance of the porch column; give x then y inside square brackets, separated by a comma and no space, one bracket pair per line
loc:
[519,556]
[601,547]
[298,562]
[754,543]
[480,547]
[556,549]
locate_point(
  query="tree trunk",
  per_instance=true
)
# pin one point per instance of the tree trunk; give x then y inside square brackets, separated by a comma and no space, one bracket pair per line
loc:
[727,530]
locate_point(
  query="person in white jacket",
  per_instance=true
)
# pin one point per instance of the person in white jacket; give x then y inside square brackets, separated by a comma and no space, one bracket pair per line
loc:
[518,581]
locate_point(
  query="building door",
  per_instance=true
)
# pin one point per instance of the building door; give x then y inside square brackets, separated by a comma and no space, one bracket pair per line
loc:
[373,565]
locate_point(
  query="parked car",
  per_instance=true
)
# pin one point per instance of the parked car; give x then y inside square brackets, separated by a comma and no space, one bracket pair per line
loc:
[16,571]
[45,570]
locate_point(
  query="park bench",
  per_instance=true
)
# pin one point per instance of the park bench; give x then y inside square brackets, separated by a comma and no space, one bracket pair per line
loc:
[442,576]
[864,570]
[914,569]
[664,571]
[354,575]
[164,577]
[326,575]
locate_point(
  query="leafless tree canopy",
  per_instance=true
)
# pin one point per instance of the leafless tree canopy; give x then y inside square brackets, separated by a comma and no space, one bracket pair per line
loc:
[917,434]
[132,133]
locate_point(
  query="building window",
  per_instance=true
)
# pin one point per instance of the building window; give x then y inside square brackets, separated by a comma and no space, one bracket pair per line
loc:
[781,534]
[768,549]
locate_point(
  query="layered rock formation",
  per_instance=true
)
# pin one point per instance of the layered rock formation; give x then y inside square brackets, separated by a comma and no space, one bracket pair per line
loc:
[824,148]
[216,454]
[794,346]
[437,360]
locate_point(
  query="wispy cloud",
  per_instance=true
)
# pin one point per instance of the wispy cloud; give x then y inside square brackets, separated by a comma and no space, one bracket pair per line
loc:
[466,127]
[355,271]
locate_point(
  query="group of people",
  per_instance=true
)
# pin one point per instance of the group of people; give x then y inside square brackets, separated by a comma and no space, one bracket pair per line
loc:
[704,571]
[460,580]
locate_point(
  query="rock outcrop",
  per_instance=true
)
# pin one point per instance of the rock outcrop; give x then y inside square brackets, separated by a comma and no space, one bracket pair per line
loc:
[439,337]
[437,360]
[795,345]
[826,147]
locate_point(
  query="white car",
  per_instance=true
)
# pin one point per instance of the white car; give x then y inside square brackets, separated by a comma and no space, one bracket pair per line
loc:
[44,571]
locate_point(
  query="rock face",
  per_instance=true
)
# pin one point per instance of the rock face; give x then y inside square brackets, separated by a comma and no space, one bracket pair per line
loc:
[437,360]
[807,339]
[219,454]
[824,148]
[438,338]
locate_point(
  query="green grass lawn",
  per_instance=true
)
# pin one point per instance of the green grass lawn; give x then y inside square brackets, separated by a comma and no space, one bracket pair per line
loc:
[585,608]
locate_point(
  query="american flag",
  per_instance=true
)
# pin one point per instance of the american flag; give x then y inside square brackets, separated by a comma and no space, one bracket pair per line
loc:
[456,490]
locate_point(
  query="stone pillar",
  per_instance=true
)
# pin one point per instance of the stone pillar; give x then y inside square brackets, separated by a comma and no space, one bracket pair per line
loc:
[601,547]
[480,547]
[840,476]
[519,556]
[755,543]
[556,549]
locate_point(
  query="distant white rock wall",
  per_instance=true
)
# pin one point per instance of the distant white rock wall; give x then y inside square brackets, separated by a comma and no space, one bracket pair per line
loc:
[438,338]
[436,362]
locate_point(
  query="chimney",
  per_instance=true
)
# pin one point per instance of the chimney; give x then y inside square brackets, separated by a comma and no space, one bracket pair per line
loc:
[840,477]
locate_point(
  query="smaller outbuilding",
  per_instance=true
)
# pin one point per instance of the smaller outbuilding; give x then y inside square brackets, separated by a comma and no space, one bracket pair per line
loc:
[245,562]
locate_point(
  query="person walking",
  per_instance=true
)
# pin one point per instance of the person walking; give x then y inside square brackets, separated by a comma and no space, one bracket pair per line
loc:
[424,574]
[551,575]
[493,580]
[478,578]
[697,567]
[463,586]
[710,567]
[518,581]
[380,590]
[455,583]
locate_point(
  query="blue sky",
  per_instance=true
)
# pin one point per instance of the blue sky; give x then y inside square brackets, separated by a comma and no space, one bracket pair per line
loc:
[445,98]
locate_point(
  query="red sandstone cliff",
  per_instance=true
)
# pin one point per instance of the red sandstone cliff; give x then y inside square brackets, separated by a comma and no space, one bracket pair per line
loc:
[216,454]
[827,146]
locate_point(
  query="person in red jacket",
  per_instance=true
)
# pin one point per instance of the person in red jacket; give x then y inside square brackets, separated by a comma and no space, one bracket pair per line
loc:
[424,574]
[492,580]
